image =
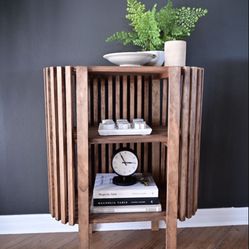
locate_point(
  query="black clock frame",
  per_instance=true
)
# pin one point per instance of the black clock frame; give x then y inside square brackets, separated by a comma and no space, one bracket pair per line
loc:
[124,180]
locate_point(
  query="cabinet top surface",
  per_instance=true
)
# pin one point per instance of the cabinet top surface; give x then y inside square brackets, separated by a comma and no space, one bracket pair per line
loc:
[118,69]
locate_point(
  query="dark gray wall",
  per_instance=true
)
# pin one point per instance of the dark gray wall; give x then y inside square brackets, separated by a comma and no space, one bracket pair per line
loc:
[34,34]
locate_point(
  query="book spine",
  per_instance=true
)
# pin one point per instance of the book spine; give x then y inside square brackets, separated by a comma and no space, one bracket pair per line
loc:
[127,209]
[125,201]
[127,194]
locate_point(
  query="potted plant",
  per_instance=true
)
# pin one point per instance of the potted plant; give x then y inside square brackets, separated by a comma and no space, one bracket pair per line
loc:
[154,30]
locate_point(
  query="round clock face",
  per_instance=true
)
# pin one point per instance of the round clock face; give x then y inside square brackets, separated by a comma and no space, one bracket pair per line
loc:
[124,162]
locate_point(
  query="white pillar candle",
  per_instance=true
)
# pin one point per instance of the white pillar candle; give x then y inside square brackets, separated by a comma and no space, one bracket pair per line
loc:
[175,53]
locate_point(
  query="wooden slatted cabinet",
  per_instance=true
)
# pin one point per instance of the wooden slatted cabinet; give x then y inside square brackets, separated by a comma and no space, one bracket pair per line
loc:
[78,98]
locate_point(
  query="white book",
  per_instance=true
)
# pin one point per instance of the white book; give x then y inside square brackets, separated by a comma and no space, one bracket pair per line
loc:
[126,209]
[104,188]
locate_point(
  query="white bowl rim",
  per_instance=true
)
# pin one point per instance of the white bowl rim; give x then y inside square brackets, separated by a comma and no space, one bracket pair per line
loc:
[144,53]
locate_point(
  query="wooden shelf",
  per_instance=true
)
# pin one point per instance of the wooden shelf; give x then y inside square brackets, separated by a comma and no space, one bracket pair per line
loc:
[128,70]
[157,135]
[126,217]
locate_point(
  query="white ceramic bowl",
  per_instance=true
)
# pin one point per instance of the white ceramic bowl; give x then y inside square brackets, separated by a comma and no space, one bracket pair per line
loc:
[134,58]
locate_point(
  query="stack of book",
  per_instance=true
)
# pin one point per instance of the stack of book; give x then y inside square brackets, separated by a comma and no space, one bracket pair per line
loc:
[110,198]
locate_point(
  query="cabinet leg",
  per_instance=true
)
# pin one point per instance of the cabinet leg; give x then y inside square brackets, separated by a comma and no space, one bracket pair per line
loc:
[84,237]
[82,155]
[171,233]
[173,156]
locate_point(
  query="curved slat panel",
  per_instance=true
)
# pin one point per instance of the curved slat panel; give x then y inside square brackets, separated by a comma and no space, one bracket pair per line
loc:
[139,97]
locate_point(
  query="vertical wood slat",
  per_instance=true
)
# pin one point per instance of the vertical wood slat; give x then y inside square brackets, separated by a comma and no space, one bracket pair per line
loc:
[184,144]
[70,150]
[139,115]
[82,154]
[55,149]
[62,150]
[132,101]
[164,102]
[164,124]
[110,116]
[156,122]
[117,104]
[47,95]
[95,122]
[102,115]
[117,94]
[191,155]
[173,156]
[91,147]
[125,99]
[198,137]
[146,118]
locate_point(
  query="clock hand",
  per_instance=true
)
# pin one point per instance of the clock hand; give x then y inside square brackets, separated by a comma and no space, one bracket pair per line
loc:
[129,162]
[123,159]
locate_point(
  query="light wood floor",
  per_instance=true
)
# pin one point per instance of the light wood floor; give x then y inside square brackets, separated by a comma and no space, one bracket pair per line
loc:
[233,237]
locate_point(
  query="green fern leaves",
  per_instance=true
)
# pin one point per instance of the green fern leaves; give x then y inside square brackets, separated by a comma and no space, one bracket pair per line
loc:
[151,28]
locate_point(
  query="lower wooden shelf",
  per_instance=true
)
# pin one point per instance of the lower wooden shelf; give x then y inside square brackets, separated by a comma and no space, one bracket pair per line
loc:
[126,217]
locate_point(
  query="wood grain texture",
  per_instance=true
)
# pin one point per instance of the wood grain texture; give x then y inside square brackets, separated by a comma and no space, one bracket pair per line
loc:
[117,89]
[198,137]
[164,115]
[128,70]
[54,145]
[173,156]
[192,133]
[230,237]
[47,96]
[103,116]
[157,135]
[184,147]
[145,154]
[110,116]
[95,108]
[155,123]
[164,102]
[132,103]
[62,150]
[139,115]
[69,147]
[126,217]
[82,154]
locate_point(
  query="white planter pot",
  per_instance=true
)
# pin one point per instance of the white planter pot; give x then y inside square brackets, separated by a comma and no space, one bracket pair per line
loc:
[175,53]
